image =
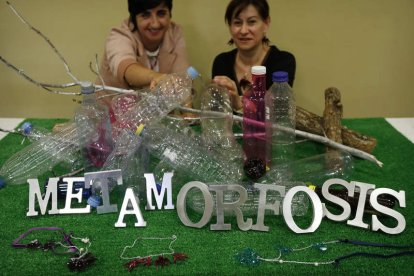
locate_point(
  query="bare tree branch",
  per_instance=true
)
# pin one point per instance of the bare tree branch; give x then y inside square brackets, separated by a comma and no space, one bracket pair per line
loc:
[46,39]
[46,86]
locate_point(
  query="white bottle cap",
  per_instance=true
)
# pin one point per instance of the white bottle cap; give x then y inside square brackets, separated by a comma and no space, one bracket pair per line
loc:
[258,70]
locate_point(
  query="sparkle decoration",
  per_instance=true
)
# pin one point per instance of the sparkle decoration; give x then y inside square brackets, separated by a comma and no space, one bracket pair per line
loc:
[81,257]
[161,259]
[249,257]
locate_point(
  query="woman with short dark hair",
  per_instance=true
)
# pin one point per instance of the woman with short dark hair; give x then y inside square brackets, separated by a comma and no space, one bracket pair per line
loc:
[146,46]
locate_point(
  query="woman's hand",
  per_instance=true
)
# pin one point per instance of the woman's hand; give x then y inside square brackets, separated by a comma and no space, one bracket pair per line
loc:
[228,83]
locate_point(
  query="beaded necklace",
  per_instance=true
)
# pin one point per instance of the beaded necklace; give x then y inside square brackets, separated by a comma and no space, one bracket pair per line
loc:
[249,257]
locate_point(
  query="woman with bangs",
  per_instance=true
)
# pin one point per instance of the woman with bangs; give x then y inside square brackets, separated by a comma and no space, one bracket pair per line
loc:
[248,22]
[146,46]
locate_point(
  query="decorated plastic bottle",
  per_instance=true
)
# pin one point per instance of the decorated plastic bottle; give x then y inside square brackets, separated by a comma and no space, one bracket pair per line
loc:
[217,124]
[94,128]
[42,155]
[170,92]
[254,138]
[280,112]
[185,155]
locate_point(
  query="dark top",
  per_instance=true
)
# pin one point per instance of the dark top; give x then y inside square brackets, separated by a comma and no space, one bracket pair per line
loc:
[275,60]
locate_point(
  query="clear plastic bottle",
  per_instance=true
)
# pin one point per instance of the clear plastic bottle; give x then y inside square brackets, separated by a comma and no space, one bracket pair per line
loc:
[169,93]
[42,155]
[280,111]
[133,159]
[254,138]
[217,124]
[199,86]
[94,128]
[185,155]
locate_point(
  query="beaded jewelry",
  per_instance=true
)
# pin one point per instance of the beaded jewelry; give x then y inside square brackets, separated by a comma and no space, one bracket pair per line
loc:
[249,257]
[81,258]
[147,260]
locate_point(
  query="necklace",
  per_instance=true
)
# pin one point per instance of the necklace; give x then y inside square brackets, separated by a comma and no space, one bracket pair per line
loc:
[249,257]
[153,59]
[81,257]
[244,62]
[147,259]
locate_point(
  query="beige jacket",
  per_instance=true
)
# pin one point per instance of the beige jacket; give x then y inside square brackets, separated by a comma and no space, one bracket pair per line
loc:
[123,48]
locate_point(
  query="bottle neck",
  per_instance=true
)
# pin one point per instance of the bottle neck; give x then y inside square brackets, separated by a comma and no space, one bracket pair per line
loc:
[88,98]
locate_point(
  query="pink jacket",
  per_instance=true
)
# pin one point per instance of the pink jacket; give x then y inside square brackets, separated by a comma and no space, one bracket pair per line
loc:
[123,48]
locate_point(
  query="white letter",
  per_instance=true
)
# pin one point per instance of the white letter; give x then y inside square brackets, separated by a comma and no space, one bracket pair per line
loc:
[159,197]
[263,206]
[221,206]
[100,181]
[337,200]
[376,224]
[208,203]
[70,196]
[317,209]
[34,191]
[129,196]
[363,190]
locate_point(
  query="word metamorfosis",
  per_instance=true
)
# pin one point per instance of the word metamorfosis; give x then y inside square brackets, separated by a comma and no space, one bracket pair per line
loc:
[130,205]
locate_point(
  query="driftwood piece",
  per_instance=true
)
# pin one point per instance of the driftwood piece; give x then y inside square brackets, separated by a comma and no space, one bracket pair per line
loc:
[310,122]
[332,115]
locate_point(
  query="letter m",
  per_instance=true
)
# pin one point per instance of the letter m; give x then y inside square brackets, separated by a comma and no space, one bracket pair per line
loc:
[34,192]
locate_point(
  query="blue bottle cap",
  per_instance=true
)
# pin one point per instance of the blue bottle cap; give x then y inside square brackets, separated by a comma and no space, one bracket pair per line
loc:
[94,201]
[2,183]
[280,76]
[27,128]
[192,72]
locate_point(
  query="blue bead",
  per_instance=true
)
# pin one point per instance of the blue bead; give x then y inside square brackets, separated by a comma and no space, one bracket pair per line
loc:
[158,187]
[94,201]
[284,250]
[2,183]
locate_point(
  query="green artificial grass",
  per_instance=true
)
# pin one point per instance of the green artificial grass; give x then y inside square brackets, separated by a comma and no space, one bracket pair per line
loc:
[212,252]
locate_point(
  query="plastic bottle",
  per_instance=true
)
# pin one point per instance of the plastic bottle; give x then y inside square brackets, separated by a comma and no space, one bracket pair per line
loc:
[217,124]
[198,87]
[280,111]
[42,155]
[185,155]
[94,128]
[133,159]
[254,139]
[169,93]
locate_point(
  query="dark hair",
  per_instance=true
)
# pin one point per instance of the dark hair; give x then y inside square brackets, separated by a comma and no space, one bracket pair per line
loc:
[235,7]
[136,7]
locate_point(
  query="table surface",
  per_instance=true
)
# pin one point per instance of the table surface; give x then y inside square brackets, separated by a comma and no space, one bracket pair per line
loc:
[212,252]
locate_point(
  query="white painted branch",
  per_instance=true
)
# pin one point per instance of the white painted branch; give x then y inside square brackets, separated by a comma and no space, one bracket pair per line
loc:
[310,136]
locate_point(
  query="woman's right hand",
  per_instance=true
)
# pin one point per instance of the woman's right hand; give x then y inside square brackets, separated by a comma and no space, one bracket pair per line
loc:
[228,83]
